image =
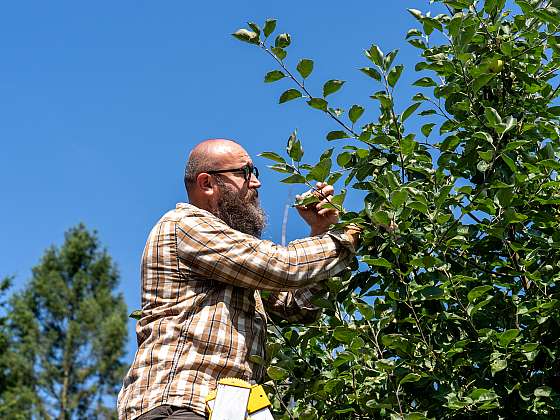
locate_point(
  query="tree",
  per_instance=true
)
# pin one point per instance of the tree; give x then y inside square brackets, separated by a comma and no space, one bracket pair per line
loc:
[69,330]
[16,393]
[457,312]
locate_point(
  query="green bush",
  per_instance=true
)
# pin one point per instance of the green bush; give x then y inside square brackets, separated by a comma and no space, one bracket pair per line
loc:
[456,313]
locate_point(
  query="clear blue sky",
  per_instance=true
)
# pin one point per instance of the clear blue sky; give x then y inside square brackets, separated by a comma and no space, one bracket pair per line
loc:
[100,103]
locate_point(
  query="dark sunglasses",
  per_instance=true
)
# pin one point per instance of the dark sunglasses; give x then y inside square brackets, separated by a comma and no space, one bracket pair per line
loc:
[247,171]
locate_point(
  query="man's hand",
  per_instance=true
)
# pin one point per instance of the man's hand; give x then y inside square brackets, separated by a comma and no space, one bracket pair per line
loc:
[317,217]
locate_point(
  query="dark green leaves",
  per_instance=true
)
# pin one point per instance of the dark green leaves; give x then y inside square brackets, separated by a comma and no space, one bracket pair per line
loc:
[375,55]
[277,373]
[282,41]
[294,149]
[289,95]
[410,110]
[453,296]
[318,103]
[425,82]
[482,81]
[394,75]
[321,170]
[371,72]
[492,116]
[336,135]
[246,36]
[269,27]
[331,86]
[272,156]
[355,113]
[273,76]
[305,67]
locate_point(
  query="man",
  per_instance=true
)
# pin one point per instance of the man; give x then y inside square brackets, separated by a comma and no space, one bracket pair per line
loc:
[202,269]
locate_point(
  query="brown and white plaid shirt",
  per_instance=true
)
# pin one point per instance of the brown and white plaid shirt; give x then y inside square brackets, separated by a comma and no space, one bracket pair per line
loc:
[202,314]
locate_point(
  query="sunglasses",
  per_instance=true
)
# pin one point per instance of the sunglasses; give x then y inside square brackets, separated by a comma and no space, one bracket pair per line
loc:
[247,171]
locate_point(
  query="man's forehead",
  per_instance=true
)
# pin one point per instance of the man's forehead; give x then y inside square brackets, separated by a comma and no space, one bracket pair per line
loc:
[230,152]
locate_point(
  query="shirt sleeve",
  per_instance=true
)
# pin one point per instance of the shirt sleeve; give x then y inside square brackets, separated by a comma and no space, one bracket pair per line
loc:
[295,306]
[210,248]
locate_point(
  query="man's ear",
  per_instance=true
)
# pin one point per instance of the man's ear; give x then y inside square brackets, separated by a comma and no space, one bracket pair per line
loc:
[205,183]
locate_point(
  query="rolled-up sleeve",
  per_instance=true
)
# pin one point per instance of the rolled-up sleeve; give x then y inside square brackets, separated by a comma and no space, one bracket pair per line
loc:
[212,249]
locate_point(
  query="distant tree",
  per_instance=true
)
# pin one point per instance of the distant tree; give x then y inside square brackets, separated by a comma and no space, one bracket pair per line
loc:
[68,328]
[17,397]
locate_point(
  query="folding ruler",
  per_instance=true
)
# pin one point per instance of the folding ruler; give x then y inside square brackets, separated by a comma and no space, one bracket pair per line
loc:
[235,399]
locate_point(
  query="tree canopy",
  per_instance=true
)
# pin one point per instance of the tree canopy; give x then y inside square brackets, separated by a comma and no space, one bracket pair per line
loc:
[456,313]
[66,332]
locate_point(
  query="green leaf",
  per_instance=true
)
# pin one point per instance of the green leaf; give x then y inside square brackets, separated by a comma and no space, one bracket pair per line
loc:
[498,365]
[273,76]
[492,116]
[246,36]
[477,292]
[377,262]
[343,334]
[343,159]
[272,156]
[394,75]
[320,301]
[411,377]
[293,148]
[269,27]
[484,136]
[355,113]
[543,391]
[289,95]
[336,135]
[331,86]
[321,170]
[366,310]
[282,168]
[254,27]
[277,373]
[255,358]
[482,81]
[282,41]
[137,314]
[417,205]
[305,67]
[398,198]
[375,54]
[416,13]
[410,110]
[318,103]
[425,82]
[511,122]
[381,218]
[279,52]
[371,72]
[507,336]
[427,129]
[294,179]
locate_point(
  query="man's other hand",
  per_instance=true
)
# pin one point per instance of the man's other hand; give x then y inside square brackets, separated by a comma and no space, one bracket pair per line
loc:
[316,216]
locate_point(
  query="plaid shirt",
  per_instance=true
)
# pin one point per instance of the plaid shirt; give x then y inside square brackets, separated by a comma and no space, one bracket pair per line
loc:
[202,314]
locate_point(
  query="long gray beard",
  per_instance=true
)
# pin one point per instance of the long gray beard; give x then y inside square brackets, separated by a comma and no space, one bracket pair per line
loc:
[246,216]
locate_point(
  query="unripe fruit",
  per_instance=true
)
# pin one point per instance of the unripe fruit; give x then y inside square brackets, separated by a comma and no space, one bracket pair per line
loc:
[496,66]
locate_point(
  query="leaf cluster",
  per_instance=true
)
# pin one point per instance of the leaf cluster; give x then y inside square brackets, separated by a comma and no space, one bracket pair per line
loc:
[457,312]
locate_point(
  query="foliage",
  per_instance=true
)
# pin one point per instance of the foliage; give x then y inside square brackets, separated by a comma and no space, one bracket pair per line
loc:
[456,313]
[68,331]
[16,394]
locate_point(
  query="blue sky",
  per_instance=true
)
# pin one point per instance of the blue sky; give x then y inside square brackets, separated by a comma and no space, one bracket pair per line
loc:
[100,103]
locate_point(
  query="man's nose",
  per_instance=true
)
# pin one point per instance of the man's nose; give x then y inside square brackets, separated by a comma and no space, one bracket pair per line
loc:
[254,182]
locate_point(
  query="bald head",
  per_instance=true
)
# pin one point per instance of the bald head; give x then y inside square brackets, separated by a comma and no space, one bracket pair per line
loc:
[211,155]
